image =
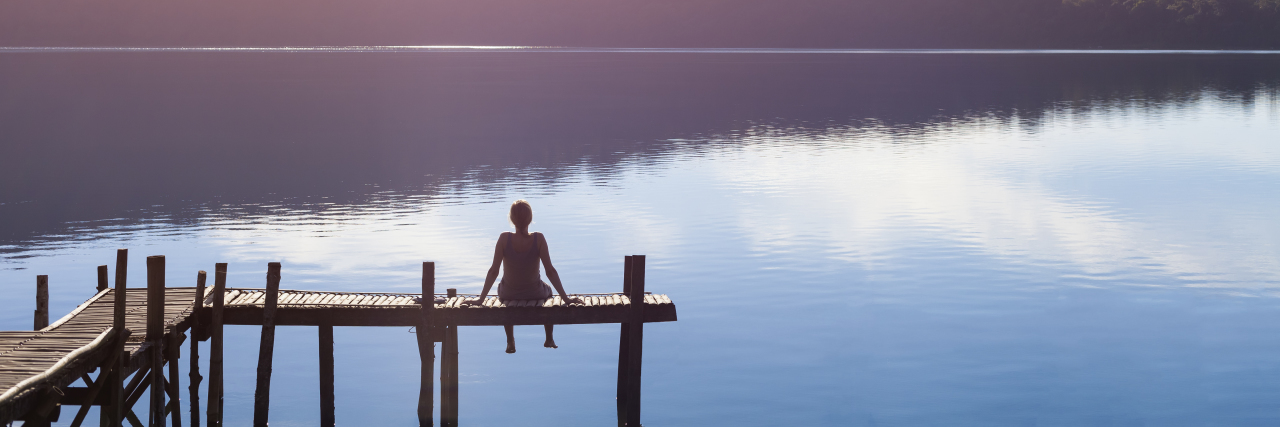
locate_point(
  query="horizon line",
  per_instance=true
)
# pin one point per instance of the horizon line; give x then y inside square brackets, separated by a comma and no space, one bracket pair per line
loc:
[567,49]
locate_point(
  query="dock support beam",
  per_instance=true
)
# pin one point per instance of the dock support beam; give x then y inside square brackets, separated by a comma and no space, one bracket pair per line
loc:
[102,278]
[172,352]
[215,345]
[156,336]
[449,372]
[42,302]
[327,418]
[196,311]
[426,346]
[635,341]
[112,414]
[622,348]
[266,348]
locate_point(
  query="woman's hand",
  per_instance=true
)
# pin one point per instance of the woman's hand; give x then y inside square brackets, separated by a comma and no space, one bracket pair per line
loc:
[571,300]
[470,302]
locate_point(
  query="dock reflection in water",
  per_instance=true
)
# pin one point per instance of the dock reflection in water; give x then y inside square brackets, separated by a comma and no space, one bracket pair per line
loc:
[855,240]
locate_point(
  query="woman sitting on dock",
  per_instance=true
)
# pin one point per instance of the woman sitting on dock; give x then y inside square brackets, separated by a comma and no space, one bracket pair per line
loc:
[518,253]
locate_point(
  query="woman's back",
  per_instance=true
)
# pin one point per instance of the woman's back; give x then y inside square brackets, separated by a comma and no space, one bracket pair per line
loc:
[521,278]
[519,254]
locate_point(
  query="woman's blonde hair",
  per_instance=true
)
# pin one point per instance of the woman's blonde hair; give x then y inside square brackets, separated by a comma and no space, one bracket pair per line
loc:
[521,214]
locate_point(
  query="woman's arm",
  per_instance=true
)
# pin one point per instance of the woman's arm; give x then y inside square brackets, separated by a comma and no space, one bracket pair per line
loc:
[493,270]
[552,274]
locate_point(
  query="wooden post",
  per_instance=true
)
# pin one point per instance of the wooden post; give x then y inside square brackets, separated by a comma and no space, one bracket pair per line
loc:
[156,336]
[426,346]
[102,278]
[194,389]
[42,302]
[622,348]
[635,340]
[327,418]
[449,372]
[173,352]
[215,345]
[266,347]
[112,414]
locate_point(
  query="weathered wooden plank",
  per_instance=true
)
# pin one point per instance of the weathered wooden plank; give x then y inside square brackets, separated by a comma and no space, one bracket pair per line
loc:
[294,297]
[325,298]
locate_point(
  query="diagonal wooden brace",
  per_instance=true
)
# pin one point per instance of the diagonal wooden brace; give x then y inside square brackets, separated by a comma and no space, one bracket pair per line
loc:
[104,371]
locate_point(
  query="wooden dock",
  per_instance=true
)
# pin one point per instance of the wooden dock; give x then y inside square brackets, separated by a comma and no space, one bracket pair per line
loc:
[312,308]
[38,367]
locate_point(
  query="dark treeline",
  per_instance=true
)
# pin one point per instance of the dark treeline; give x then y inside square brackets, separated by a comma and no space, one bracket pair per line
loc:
[648,23]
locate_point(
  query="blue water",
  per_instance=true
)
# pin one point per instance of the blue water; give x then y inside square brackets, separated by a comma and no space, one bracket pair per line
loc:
[889,239]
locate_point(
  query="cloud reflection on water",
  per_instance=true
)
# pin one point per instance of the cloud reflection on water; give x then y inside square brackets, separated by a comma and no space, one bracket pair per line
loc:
[899,241]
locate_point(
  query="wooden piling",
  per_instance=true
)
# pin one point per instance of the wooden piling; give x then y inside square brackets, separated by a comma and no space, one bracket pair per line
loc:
[426,346]
[266,347]
[327,418]
[635,340]
[194,389]
[102,278]
[172,386]
[449,372]
[42,302]
[156,336]
[622,348]
[214,410]
[112,415]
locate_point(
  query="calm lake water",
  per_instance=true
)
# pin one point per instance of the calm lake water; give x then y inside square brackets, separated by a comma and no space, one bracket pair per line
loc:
[851,239]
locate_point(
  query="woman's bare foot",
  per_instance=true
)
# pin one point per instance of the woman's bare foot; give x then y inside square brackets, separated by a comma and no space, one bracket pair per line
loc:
[511,338]
[511,347]
[551,342]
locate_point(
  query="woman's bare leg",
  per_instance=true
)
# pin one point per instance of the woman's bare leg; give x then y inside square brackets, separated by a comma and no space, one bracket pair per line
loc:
[511,338]
[551,342]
